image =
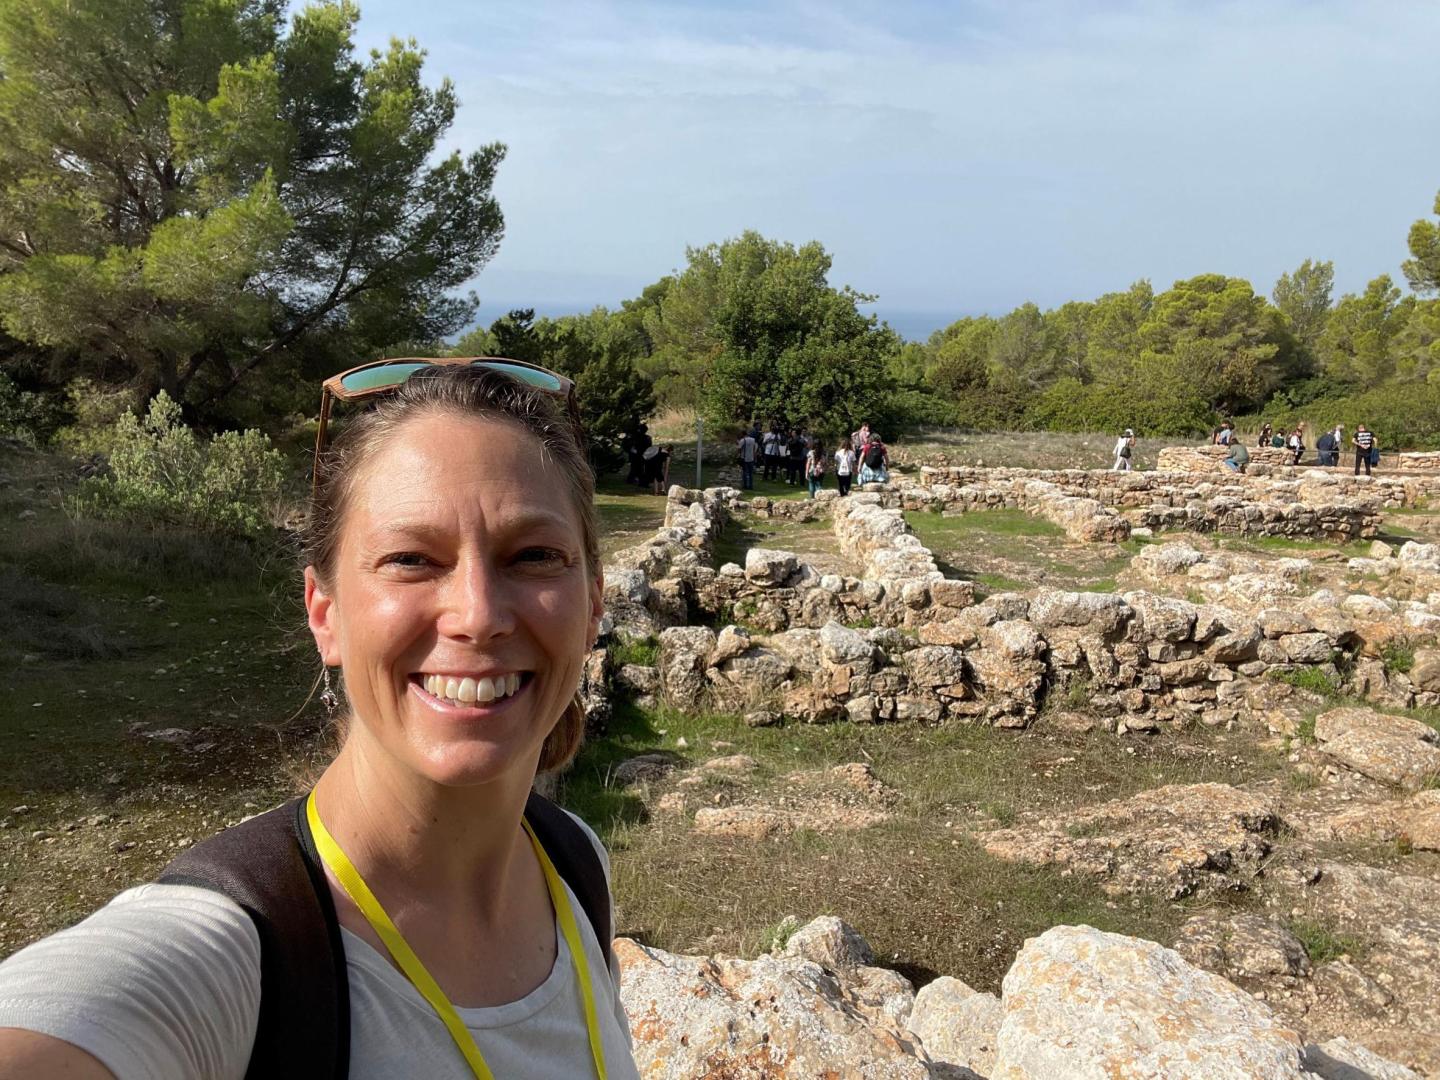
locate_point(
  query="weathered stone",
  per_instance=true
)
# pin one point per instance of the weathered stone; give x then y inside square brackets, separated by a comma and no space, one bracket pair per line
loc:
[1277,622]
[1342,1059]
[644,768]
[1311,648]
[1086,1005]
[1394,749]
[1100,613]
[684,652]
[953,593]
[842,645]
[1162,560]
[1242,947]
[957,1025]
[830,942]
[1159,618]
[934,666]
[955,632]
[731,642]
[1178,840]
[1425,672]
[765,566]
[693,1017]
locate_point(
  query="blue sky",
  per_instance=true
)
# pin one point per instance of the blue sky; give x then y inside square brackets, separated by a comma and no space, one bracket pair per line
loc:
[953,158]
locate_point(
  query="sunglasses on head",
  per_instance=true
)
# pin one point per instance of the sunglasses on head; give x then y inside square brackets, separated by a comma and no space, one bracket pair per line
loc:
[386,376]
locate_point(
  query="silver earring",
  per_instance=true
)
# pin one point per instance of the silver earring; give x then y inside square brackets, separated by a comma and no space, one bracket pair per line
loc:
[328,697]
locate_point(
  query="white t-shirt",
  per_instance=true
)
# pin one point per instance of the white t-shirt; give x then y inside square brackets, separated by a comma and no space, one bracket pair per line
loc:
[844,461]
[748,449]
[164,982]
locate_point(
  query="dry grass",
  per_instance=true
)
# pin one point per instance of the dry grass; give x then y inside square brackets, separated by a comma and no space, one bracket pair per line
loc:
[1030,449]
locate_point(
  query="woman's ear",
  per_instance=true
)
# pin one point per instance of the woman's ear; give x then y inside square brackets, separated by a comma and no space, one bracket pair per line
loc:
[322,616]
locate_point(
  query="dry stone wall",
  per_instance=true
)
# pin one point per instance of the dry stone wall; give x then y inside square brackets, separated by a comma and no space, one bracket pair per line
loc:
[899,642]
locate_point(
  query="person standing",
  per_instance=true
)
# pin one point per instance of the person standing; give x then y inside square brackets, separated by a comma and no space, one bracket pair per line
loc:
[874,461]
[637,444]
[773,446]
[1124,452]
[815,466]
[1338,437]
[1296,442]
[844,467]
[1323,448]
[1364,442]
[858,439]
[749,451]
[794,457]
[1264,439]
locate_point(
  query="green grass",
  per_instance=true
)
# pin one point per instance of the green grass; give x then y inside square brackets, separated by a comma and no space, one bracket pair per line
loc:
[643,651]
[1314,679]
[939,530]
[743,533]
[1397,656]
[1323,944]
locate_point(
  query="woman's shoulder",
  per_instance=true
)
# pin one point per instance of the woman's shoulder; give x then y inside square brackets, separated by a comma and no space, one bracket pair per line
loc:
[162,981]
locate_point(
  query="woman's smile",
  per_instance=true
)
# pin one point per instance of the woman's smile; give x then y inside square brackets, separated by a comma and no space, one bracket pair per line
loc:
[464,695]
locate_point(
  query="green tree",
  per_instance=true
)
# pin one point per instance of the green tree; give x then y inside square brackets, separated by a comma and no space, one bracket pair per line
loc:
[1304,299]
[1113,330]
[1422,269]
[191,197]
[1228,339]
[961,356]
[1357,346]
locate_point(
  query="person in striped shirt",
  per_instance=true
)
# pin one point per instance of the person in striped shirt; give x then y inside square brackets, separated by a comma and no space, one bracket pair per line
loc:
[1364,442]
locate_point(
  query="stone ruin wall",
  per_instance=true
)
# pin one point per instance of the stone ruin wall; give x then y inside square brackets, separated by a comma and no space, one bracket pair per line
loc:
[898,641]
[1209,459]
[1105,505]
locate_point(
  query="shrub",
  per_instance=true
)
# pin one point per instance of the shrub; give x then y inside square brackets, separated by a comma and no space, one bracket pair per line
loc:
[26,417]
[96,412]
[164,472]
[642,651]
[1397,656]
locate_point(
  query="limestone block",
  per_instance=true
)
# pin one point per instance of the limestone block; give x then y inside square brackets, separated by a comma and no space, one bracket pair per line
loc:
[1101,613]
[1242,947]
[1394,749]
[957,1025]
[1087,1005]
[770,567]
[1159,618]
[830,942]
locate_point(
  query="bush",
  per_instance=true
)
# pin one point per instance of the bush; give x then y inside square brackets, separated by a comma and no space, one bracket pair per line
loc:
[164,472]
[26,417]
[95,411]
[1402,415]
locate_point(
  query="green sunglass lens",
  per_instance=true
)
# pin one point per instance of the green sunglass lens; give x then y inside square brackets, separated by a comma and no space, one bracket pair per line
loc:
[385,375]
[395,374]
[543,379]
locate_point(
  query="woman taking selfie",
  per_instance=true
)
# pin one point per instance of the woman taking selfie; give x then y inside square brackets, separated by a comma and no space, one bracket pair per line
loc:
[420,913]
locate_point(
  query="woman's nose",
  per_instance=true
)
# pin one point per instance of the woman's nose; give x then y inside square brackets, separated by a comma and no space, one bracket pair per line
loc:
[477,603]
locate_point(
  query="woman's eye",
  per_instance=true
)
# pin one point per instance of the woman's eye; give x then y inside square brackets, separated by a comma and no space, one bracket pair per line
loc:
[542,556]
[407,559]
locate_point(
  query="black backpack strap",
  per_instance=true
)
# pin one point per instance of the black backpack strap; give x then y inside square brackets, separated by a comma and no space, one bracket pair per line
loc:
[268,865]
[577,862]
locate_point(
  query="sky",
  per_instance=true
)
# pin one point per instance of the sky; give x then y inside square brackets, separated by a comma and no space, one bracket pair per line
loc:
[954,158]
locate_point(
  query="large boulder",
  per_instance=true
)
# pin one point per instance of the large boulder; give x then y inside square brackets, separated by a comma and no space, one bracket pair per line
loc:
[830,942]
[1242,947]
[1159,618]
[1086,1005]
[957,1025]
[1395,749]
[700,1018]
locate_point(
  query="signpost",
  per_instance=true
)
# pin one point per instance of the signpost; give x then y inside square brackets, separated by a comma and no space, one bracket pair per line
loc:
[699,450]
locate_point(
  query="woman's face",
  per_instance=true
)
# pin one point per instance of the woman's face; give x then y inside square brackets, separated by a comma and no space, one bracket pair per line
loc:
[461,608]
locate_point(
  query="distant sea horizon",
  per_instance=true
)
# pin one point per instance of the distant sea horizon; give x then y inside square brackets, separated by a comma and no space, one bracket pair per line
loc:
[911,324]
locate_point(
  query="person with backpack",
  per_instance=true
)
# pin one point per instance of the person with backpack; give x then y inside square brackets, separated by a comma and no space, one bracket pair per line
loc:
[420,912]
[815,462]
[844,467]
[1296,443]
[1124,452]
[874,461]
[1364,443]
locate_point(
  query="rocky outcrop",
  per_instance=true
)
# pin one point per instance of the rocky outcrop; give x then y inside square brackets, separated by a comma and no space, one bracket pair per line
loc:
[1180,840]
[1394,749]
[1088,1005]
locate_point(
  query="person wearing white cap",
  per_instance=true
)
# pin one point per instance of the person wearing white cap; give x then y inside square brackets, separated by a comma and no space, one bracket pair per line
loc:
[1124,452]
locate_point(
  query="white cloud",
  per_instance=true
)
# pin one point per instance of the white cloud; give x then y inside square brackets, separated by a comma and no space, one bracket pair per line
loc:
[970,155]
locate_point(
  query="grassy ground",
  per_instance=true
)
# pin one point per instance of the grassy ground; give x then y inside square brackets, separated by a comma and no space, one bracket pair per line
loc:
[926,895]
[815,540]
[1009,550]
[1030,449]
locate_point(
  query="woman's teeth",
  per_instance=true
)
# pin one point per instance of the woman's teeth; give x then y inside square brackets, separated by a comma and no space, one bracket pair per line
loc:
[468,691]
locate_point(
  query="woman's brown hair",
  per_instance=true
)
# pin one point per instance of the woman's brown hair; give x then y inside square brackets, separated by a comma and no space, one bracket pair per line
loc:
[467,391]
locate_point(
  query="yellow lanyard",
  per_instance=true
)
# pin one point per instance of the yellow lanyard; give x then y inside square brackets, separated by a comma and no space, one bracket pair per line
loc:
[354,885]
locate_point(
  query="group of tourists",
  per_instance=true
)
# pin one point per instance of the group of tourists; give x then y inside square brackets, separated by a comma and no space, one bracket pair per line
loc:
[1328,447]
[649,461]
[803,456]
